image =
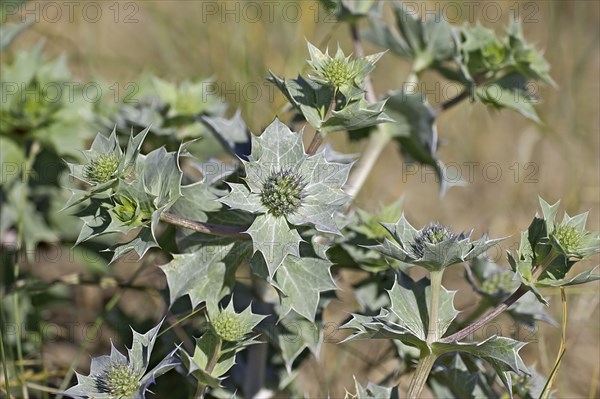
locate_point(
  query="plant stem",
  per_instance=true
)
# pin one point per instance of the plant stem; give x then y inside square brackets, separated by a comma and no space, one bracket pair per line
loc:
[318,137]
[515,296]
[4,363]
[478,312]
[538,270]
[378,139]
[201,390]
[522,290]
[427,358]
[206,228]
[315,143]
[177,322]
[359,52]
[25,172]
[561,351]
[421,374]
[376,144]
[215,357]
[451,102]
[436,287]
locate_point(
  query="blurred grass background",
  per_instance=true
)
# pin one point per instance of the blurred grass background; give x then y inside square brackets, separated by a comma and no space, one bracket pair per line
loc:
[559,159]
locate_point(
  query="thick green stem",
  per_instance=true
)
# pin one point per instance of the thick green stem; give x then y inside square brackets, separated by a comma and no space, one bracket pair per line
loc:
[201,390]
[421,374]
[436,286]
[433,334]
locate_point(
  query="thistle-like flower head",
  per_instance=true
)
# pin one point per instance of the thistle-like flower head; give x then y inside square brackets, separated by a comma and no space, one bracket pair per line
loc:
[570,236]
[119,380]
[284,186]
[340,71]
[434,233]
[117,376]
[105,161]
[434,247]
[102,169]
[132,211]
[231,326]
[282,192]
[499,283]
[482,49]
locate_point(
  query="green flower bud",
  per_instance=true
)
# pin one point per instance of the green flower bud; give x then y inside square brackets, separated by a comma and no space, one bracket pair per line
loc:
[435,233]
[229,327]
[568,238]
[102,169]
[125,209]
[188,102]
[282,193]
[434,247]
[493,55]
[338,72]
[130,212]
[498,283]
[119,381]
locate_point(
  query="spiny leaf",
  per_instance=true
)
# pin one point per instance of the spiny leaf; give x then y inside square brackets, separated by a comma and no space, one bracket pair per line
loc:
[205,274]
[370,391]
[414,128]
[510,91]
[425,42]
[294,335]
[232,133]
[500,352]
[211,346]
[311,98]
[408,317]
[274,239]
[301,280]
[357,115]
[117,375]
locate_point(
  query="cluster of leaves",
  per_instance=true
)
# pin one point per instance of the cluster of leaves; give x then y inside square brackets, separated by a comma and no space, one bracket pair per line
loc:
[549,250]
[495,71]
[435,247]
[173,112]
[333,98]
[39,104]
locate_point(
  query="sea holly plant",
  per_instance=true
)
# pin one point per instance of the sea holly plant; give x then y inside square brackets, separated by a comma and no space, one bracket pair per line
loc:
[215,350]
[333,97]
[421,312]
[434,247]
[549,250]
[270,225]
[286,188]
[118,376]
